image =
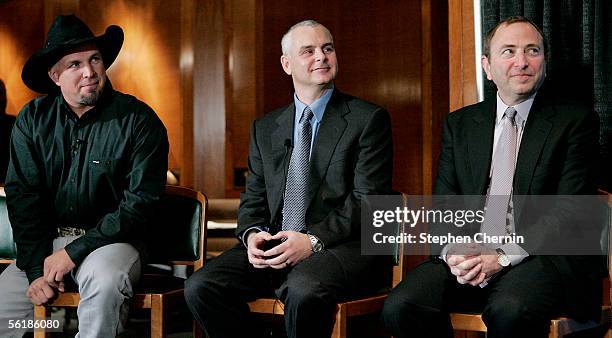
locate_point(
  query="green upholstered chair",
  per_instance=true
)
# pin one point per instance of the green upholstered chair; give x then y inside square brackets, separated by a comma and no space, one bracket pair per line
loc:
[7,245]
[178,237]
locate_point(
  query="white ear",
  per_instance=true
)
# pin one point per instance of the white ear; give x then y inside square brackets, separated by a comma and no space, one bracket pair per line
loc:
[284,59]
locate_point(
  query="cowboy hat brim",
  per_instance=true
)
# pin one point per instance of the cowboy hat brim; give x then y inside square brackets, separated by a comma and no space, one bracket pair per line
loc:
[35,71]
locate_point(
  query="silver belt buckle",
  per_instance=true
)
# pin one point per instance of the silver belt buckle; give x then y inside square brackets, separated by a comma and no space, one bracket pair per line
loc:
[69,231]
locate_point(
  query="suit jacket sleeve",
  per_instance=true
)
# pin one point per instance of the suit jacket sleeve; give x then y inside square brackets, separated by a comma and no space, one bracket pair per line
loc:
[254,210]
[446,181]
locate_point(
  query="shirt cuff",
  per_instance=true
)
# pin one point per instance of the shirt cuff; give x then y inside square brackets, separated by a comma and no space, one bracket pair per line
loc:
[515,253]
[444,251]
[245,233]
[34,273]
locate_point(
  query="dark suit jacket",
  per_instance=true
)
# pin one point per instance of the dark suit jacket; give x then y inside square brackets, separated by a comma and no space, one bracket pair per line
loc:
[557,156]
[351,157]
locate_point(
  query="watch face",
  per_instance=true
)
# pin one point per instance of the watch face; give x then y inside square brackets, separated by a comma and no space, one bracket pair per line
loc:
[503,260]
[316,245]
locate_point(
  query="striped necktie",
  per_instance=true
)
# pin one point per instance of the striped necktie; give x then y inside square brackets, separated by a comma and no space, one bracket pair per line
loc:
[296,188]
[498,201]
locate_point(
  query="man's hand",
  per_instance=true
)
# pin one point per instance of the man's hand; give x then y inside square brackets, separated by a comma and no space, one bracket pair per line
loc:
[467,269]
[255,242]
[472,264]
[55,267]
[295,248]
[490,265]
[40,291]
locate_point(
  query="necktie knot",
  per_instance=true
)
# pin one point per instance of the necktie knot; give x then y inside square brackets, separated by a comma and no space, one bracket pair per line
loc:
[510,113]
[307,115]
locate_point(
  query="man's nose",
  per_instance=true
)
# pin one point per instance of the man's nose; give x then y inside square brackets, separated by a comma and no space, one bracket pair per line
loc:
[521,60]
[88,71]
[320,55]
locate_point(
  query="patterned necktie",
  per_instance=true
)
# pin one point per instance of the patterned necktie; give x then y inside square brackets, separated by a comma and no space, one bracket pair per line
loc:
[296,188]
[498,202]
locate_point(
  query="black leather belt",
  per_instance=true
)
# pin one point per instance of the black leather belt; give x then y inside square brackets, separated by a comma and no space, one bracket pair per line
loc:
[69,231]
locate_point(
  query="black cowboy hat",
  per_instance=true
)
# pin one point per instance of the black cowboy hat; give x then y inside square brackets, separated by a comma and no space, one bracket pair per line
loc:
[66,33]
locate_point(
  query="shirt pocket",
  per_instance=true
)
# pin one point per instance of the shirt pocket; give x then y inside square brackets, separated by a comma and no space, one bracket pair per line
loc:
[111,169]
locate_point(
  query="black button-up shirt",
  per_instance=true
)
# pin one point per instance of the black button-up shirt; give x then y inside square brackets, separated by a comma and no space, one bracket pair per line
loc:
[103,172]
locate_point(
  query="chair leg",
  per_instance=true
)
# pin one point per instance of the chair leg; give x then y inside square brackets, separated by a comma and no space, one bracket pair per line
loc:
[554,329]
[158,322]
[197,330]
[340,324]
[41,312]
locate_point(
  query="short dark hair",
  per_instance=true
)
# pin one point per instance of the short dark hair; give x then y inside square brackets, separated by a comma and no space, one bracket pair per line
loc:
[506,22]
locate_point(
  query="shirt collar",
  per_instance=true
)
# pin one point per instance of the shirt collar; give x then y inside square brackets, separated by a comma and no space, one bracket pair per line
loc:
[522,109]
[318,107]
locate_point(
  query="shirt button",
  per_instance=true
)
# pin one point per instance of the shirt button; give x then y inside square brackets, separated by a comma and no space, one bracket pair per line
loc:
[72,180]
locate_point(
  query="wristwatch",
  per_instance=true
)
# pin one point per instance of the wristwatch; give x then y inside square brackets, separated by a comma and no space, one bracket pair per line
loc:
[502,258]
[315,243]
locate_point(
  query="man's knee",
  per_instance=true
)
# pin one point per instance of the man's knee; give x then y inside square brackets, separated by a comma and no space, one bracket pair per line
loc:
[404,305]
[106,283]
[195,285]
[395,307]
[303,291]
[202,288]
[510,313]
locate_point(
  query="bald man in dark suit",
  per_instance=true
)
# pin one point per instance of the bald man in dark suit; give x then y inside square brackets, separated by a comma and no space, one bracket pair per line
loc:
[344,144]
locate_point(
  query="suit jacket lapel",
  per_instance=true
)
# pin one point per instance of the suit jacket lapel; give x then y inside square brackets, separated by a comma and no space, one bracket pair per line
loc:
[330,131]
[535,134]
[480,144]
[281,156]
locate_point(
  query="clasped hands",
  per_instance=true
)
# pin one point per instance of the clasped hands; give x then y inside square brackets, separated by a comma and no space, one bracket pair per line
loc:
[472,263]
[294,248]
[55,268]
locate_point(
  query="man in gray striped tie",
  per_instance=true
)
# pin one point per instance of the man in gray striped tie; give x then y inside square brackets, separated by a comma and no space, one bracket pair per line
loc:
[310,163]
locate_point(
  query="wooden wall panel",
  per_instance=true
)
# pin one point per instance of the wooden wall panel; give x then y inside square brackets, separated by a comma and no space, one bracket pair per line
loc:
[17,42]
[209,100]
[379,60]
[186,65]
[148,65]
[435,85]
[243,46]
[461,54]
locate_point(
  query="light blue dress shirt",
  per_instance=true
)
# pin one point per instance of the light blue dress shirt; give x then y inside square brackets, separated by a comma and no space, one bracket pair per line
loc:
[318,109]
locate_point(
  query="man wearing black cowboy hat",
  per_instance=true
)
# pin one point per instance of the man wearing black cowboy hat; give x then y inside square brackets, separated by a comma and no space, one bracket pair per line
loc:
[87,166]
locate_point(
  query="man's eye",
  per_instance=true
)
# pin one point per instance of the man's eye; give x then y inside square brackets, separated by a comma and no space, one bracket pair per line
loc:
[307,51]
[73,65]
[533,51]
[95,59]
[328,49]
[507,52]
